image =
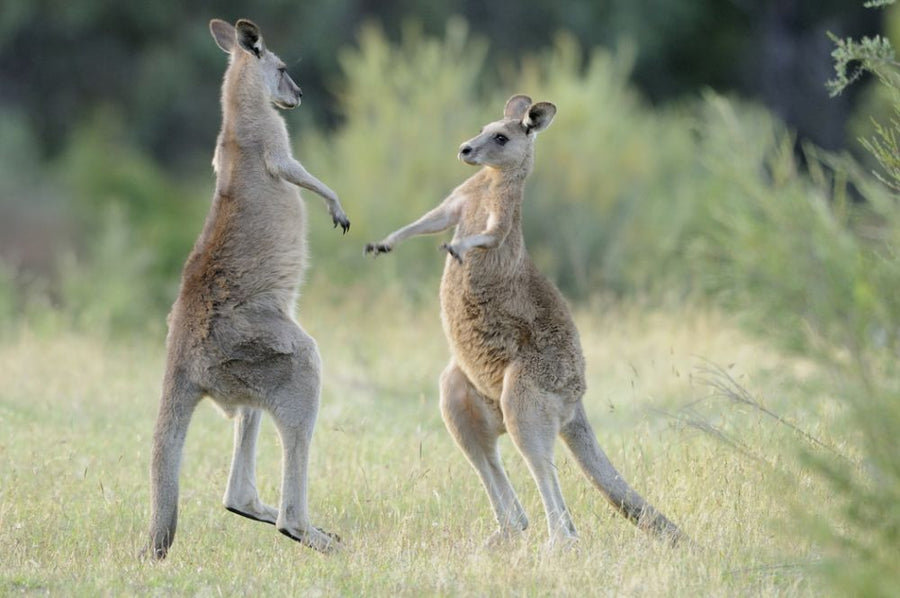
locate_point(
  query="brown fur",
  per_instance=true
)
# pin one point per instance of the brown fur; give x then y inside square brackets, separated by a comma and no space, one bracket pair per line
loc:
[517,363]
[232,332]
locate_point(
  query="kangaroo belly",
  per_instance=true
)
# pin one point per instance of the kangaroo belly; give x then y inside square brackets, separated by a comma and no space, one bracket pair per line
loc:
[483,348]
[485,331]
[489,327]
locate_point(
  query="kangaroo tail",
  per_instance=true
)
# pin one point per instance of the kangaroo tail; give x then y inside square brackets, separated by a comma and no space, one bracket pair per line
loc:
[579,437]
[175,409]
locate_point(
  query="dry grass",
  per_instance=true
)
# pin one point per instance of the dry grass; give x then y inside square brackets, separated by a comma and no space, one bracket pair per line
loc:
[77,414]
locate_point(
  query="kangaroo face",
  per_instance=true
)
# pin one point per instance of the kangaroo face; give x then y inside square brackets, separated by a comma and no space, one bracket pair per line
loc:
[283,92]
[503,143]
[507,143]
[243,41]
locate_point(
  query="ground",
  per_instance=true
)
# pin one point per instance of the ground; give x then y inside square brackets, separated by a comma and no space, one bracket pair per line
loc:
[77,412]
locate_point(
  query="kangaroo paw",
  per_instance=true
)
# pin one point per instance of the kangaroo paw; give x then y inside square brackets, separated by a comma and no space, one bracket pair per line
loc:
[377,248]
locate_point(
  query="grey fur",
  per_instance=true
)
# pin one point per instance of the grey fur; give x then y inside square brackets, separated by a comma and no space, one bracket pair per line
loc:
[232,332]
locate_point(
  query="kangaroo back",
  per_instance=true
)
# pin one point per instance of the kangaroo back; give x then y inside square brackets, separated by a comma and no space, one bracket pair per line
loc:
[580,438]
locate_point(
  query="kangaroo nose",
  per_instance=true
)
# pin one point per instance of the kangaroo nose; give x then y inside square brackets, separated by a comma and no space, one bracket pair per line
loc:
[466,153]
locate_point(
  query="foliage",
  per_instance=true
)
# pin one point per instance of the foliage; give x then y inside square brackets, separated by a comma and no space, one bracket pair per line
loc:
[624,199]
[785,247]
[873,55]
[137,227]
[610,205]
[606,207]
[864,534]
[811,261]
[405,109]
[876,55]
[157,65]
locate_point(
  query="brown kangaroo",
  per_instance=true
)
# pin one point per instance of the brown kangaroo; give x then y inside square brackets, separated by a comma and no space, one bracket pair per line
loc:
[232,332]
[517,364]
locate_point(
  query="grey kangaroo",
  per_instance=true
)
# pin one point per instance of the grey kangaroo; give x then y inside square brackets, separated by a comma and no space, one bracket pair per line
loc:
[232,331]
[517,364]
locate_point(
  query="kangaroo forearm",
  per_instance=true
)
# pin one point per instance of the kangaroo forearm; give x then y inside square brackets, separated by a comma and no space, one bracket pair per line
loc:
[483,240]
[491,237]
[296,174]
[293,171]
[433,222]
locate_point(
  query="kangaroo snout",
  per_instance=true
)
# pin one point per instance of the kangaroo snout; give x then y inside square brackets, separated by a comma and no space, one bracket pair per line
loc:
[295,100]
[465,153]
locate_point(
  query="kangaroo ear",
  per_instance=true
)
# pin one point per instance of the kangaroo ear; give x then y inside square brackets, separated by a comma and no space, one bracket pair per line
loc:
[223,33]
[539,117]
[250,38]
[516,106]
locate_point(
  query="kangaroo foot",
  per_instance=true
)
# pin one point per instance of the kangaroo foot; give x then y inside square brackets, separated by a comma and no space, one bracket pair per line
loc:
[314,538]
[253,509]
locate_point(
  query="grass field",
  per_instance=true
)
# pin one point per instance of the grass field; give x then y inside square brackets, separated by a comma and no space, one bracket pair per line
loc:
[77,411]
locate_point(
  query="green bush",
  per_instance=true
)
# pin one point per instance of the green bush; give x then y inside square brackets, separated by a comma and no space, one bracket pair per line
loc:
[405,110]
[864,536]
[625,198]
[609,207]
[808,256]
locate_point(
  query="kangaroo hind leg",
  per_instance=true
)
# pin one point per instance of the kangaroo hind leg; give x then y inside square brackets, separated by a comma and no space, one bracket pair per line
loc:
[476,425]
[294,407]
[532,420]
[241,495]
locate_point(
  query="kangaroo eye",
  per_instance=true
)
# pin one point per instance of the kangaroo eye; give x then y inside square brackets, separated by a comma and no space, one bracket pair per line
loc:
[501,139]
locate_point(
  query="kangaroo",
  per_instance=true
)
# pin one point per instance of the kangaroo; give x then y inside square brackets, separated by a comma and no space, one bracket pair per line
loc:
[232,335]
[517,364]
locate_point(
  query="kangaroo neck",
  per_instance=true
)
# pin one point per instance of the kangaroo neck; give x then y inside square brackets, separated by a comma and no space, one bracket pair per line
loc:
[507,186]
[244,100]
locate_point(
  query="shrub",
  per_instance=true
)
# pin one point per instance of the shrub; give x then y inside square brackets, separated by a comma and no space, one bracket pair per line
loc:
[811,259]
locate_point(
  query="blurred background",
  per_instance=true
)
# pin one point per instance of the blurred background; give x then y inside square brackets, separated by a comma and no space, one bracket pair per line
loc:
[109,112]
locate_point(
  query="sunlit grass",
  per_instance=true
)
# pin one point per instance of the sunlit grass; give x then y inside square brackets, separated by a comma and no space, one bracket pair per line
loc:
[77,414]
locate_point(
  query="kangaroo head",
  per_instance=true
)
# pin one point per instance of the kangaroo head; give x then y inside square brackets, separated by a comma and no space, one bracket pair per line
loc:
[509,142]
[244,42]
